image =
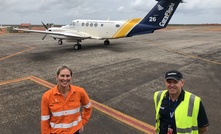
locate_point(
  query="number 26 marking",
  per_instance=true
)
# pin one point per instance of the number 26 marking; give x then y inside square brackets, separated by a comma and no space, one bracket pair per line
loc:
[152,19]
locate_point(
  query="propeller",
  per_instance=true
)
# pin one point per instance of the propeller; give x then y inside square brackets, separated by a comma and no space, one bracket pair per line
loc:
[45,28]
[44,25]
[44,36]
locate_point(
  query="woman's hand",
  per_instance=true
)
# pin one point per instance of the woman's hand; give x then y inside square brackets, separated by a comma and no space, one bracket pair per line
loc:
[81,129]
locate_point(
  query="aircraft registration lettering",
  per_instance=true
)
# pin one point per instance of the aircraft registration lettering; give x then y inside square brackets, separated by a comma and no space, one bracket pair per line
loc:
[167,15]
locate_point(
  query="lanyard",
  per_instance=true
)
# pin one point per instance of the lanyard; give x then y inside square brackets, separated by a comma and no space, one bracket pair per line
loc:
[172,107]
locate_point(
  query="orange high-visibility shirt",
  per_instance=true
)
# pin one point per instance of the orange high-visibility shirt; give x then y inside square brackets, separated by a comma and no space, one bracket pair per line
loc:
[62,116]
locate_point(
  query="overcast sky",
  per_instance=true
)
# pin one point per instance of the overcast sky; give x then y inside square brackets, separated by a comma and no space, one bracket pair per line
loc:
[64,11]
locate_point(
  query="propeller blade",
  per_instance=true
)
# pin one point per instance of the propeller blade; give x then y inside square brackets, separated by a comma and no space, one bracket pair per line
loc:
[44,36]
[44,25]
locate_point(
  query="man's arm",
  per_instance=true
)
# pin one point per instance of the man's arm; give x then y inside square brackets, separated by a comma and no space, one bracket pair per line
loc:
[203,129]
[203,122]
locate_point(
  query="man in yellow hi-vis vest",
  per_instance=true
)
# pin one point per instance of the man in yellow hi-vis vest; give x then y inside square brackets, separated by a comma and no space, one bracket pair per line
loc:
[178,111]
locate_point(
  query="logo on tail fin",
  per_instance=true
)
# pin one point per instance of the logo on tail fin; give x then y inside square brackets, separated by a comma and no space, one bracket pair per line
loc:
[167,15]
[159,7]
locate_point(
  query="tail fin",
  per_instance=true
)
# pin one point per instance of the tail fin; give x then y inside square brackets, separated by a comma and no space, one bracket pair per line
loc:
[161,13]
[157,18]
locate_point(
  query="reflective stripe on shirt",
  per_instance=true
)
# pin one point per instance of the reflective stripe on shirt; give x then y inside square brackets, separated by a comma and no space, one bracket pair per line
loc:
[158,97]
[88,105]
[187,130]
[66,112]
[46,117]
[63,125]
[191,105]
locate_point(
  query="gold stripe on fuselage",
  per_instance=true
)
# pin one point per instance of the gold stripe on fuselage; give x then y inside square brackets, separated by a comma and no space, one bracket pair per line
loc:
[126,27]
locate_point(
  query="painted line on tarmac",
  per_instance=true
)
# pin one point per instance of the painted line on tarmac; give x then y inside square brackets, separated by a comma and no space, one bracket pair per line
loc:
[41,82]
[189,55]
[17,53]
[195,57]
[143,127]
[13,81]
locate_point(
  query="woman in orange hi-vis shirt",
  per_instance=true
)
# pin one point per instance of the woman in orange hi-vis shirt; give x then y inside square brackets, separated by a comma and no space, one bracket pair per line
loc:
[60,106]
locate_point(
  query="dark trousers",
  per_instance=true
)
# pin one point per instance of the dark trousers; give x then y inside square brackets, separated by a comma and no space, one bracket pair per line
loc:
[74,133]
[77,132]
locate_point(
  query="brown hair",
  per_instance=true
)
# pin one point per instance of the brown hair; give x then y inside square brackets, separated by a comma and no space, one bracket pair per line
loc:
[62,67]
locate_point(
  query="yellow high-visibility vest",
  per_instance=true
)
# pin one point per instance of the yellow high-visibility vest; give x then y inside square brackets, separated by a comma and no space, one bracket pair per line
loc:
[185,114]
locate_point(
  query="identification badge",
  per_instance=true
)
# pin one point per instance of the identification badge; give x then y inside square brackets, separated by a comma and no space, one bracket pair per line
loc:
[170,131]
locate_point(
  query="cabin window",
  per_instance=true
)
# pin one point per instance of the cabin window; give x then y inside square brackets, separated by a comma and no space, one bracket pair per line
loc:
[95,24]
[91,24]
[117,25]
[87,24]
[102,25]
[82,24]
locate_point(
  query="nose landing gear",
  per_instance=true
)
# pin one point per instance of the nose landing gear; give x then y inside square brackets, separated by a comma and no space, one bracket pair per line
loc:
[60,42]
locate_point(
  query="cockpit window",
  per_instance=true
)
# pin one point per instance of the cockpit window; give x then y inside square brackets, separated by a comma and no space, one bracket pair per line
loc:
[73,23]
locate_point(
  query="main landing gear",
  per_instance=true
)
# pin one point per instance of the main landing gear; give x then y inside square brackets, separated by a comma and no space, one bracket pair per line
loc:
[106,42]
[78,45]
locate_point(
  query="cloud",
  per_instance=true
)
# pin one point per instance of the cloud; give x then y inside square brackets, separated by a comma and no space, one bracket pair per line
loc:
[64,11]
[141,5]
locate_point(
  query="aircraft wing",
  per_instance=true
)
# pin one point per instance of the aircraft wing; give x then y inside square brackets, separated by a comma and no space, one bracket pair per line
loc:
[68,34]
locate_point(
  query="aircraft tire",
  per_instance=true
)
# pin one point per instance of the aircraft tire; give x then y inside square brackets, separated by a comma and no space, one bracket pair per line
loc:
[77,46]
[60,42]
[106,42]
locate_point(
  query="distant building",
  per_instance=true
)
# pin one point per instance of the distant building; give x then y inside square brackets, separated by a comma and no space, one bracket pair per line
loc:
[50,25]
[25,26]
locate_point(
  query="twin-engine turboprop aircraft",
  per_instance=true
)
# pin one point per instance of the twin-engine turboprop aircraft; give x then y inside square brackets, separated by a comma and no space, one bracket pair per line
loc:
[80,29]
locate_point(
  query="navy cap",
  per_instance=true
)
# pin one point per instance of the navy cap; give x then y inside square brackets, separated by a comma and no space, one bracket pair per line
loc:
[173,74]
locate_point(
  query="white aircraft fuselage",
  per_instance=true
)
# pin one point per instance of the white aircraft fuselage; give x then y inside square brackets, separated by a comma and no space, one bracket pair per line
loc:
[100,29]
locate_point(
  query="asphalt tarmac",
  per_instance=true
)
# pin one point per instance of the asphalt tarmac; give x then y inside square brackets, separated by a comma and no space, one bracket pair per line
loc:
[120,78]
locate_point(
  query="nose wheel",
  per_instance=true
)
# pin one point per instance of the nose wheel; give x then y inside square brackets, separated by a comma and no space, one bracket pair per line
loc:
[60,42]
